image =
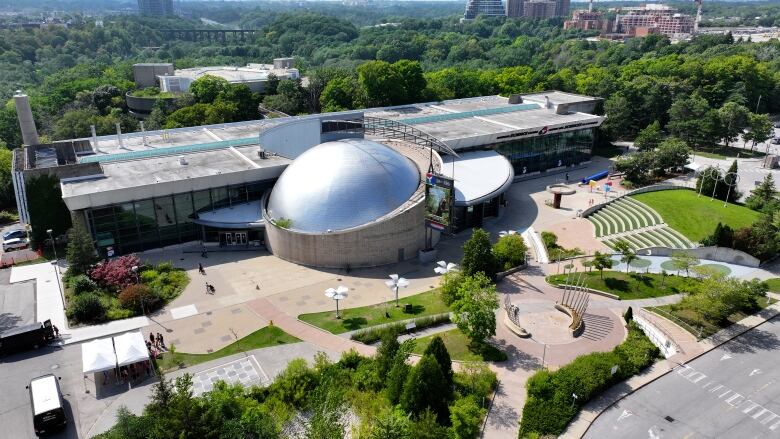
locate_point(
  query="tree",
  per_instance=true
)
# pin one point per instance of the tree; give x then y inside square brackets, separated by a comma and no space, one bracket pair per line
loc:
[466,417]
[619,116]
[733,119]
[449,286]
[426,388]
[723,236]
[763,197]
[339,94]
[382,83]
[760,129]
[7,196]
[730,182]
[46,208]
[693,120]
[290,98]
[478,255]
[414,82]
[627,255]
[636,166]
[602,261]
[80,252]
[649,138]
[271,83]
[510,251]
[207,88]
[385,354]
[684,260]
[629,315]
[438,350]
[671,153]
[391,424]
[475,310]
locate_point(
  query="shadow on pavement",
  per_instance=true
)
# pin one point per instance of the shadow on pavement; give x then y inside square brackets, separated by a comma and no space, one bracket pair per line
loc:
[516,359]
[753,341]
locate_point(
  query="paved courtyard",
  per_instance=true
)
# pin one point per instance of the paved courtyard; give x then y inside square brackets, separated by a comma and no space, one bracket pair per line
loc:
[246,371]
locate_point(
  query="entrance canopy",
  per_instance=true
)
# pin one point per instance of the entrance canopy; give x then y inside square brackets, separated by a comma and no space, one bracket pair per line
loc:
[130,348]
[98,355]
[239,216]
[479,176]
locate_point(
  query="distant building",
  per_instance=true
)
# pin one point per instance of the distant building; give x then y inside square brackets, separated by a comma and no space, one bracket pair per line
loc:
[653,19]
[588,20]
[155,7]
[255,76]
[537,8]
[490,8]
[514,8]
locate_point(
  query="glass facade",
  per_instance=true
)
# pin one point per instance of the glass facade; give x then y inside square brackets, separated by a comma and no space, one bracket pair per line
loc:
[538,154]
[145,224]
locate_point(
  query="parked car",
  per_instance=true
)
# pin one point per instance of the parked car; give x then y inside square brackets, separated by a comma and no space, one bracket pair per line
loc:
[47,406]
[26,337]
[11,234]
[15,244]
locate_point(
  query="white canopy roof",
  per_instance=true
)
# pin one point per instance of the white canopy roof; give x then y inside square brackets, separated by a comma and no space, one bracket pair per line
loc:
[130,348]
[98,355]
[479,176]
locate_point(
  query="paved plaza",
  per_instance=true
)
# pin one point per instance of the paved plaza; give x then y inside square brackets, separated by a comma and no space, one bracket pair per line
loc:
[246,371]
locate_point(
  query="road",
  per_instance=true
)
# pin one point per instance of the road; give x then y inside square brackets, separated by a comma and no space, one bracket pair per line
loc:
[16,372]
[731,392]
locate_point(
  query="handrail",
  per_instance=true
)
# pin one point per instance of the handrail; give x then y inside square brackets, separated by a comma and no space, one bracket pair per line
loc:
[646,317]
[695,332]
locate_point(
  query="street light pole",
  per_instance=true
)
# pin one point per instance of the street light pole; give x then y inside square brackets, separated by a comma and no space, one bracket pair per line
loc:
[56,267]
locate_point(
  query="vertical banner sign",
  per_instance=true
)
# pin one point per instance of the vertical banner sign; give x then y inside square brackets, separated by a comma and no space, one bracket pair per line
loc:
[439,201]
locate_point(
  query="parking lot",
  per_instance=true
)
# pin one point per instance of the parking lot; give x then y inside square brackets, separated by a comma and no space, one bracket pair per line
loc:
[17,302]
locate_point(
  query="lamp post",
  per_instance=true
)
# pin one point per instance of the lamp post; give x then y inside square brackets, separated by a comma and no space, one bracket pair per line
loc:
[134,269]
[337,294]
[56,267]
[395,282]
[445,267]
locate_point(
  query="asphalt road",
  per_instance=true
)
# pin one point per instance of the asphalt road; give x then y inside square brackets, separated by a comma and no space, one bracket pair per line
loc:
[16,372]
[17,302]
[731,392]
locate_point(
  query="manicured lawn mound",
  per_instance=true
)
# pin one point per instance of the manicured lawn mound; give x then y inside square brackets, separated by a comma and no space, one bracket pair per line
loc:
[460,347]
[262,338]
[694,216]
[551,405]
[773,284]
[424,304]
[632,285]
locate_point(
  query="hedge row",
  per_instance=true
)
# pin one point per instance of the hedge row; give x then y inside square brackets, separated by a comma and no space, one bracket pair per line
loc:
[373,335]
[551,404]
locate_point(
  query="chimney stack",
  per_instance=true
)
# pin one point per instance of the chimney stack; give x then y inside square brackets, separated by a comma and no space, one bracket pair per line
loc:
[119,136]
[26,121]
[95,145]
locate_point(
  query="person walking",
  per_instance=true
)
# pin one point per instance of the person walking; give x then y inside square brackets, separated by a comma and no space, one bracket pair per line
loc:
[200,268]
[567,177]
[160,341]
[151,338]
[208,288]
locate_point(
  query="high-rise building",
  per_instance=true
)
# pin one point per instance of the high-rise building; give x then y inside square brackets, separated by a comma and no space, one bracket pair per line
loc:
[155,7]
[514,8]
[494,8]
[537,8]
[588,20]
[653,18]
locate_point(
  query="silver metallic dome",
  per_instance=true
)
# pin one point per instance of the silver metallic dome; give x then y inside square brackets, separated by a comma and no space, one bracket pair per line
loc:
[342,184]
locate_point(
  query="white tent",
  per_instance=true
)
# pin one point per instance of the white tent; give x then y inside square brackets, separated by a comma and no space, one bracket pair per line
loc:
[98,355]
[130,348]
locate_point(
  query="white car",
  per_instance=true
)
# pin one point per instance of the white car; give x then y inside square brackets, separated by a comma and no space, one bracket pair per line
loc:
[15,244]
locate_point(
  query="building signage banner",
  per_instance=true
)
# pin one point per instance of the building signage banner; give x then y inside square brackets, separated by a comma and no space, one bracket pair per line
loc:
[439,200]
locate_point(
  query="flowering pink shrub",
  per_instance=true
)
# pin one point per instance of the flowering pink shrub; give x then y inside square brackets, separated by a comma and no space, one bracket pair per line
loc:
[117,273]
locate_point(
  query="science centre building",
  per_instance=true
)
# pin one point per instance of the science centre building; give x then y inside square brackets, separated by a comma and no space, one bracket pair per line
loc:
[338,190]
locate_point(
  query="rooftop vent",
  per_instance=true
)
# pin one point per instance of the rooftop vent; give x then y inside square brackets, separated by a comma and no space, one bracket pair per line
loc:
[262,154]
[515,99]
[182,160]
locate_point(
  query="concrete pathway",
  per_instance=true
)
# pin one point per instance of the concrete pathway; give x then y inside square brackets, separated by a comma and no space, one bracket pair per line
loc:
[48,292]
[78,335]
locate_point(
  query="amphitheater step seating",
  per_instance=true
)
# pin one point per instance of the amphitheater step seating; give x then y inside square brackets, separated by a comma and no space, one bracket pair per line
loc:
[634,222]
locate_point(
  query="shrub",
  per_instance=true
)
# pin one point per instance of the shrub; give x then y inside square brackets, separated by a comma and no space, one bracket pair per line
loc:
[510,251]
[426,387]
[629,314]
[116,273]
[82,284]
[449,285]
[165,280]
[136,297]
[466,417]
[8,217]
[87,307]
[372,335]
[475,379]
[551,404]
[478,255]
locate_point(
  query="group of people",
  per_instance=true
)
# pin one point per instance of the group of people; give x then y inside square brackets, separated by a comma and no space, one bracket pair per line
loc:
[156,344]
[209,287]
[130,372]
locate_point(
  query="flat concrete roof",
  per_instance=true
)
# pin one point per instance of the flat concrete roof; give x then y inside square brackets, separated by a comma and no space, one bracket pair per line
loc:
[478,175]
[258,72]
[559,97]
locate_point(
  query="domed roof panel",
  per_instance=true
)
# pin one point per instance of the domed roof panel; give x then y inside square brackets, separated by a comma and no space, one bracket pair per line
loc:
[342,184]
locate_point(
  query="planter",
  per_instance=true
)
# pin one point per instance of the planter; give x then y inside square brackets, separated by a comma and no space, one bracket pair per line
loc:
[427,256]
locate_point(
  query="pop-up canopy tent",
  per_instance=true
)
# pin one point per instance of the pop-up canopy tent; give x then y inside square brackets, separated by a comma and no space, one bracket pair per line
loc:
[98,355]
[130,348]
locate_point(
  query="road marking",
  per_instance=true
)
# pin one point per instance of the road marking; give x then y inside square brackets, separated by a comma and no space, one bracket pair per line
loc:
[652,433]
[624,415]
[725,357]
[755,372]
[751,405]
[730,401]
[715,389]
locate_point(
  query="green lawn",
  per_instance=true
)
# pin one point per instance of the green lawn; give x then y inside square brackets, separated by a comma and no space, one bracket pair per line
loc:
[700,327]
[423,304]
[722,152]
[262,338]
[773,284]
[460,348]
[694,216]
[632,285]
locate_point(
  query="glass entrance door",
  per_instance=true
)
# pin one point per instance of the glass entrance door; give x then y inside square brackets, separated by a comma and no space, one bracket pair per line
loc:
[229,238]
[239,238]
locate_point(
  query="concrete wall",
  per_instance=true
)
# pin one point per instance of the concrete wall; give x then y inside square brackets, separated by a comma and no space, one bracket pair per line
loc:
[719,254]
[145,75]
[293,138]
[370,245]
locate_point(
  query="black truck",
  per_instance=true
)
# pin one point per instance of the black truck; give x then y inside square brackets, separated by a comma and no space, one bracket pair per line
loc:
[26,337]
